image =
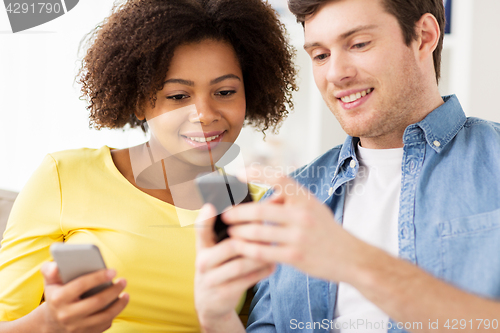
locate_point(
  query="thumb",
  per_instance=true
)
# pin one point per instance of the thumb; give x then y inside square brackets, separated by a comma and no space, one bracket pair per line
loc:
[50,273]
[204,224]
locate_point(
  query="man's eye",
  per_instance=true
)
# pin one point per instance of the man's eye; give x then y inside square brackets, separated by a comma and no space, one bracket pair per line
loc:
[360,45]
[177,97]
[321,57]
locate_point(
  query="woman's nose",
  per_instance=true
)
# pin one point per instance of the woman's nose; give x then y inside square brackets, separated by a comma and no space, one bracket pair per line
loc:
[206,112]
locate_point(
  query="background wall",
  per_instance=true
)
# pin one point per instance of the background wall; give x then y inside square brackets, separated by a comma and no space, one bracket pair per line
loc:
[41,112]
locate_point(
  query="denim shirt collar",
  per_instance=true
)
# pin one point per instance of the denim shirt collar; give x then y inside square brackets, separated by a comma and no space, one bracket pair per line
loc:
[440,126]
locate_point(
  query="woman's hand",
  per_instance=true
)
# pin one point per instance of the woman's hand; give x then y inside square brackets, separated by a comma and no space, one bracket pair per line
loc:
[221,276]
[64,311]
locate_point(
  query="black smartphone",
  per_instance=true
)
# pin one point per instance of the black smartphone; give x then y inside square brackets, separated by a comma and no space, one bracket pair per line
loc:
[222,191]
[75,260]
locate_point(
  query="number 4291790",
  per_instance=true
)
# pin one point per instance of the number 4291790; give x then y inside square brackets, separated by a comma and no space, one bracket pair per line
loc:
[38,8]
[455,324]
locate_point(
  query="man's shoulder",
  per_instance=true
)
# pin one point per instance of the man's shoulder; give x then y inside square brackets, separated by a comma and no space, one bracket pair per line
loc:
[474,123]
[482,132]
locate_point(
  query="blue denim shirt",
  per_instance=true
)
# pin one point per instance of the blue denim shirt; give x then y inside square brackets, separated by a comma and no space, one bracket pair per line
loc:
[449,217]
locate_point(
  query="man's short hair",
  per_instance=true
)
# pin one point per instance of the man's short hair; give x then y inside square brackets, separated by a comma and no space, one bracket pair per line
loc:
[407,12]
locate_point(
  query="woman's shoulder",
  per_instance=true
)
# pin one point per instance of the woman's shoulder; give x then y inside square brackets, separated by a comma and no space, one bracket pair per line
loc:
[81,155]
[73,162]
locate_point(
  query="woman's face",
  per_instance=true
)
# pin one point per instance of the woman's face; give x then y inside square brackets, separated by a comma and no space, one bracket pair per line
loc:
[201,108]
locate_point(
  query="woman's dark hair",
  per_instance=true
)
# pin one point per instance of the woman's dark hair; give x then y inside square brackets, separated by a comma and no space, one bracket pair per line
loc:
[407,12]
[129,54]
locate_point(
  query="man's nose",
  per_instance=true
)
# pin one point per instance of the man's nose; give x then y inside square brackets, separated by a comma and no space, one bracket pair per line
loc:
[340,69]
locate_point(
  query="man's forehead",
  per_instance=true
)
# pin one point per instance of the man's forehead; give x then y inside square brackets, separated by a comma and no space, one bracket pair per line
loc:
[338,20]
[344,34]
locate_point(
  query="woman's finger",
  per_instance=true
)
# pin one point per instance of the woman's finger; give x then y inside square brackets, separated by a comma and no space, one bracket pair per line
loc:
[50,273]
[97,302]
[75,288]
[104,319]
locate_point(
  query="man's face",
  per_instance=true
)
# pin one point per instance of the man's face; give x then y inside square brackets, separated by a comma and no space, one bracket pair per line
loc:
[367,75]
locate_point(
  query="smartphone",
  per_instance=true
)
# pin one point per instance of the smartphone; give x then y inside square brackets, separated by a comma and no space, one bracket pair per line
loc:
[75,260]
[222,191]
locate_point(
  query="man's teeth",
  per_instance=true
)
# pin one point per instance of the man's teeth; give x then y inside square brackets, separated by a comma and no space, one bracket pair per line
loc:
[199,139]
[356,96]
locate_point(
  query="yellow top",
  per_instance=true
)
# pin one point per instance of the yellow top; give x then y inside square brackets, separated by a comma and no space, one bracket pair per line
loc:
[79,196]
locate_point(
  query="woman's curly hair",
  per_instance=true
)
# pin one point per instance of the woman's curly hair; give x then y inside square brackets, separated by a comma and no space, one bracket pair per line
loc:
[129,54]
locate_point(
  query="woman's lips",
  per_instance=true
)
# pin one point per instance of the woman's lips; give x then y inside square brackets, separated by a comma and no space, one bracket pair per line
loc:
[204,145]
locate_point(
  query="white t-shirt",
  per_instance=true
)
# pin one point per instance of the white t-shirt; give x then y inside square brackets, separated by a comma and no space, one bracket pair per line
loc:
[371,214]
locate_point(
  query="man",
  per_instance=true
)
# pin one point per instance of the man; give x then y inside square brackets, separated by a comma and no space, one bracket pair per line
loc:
[405,236]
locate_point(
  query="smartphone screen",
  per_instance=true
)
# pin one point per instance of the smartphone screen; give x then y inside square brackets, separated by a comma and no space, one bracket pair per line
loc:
[222,191]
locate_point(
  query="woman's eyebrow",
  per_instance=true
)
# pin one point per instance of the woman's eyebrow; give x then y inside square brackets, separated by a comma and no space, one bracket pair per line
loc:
[224,77]
[180,81]
[214,81]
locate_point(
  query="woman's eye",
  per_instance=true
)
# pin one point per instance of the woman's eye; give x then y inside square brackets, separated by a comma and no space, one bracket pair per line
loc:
[177,97]
[225,93]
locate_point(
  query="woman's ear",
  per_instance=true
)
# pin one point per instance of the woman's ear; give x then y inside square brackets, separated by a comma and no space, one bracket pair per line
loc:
[139,114]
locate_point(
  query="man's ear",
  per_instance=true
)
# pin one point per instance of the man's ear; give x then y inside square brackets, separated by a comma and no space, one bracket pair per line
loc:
[428,32]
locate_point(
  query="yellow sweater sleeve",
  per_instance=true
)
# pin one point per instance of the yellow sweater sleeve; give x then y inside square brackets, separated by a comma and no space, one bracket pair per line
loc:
[33,225]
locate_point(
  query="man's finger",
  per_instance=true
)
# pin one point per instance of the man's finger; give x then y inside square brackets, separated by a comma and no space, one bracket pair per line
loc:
[264,211]
[204,224]
[234,270]
[263,233]
[216,255]
[282,186]
[265,252]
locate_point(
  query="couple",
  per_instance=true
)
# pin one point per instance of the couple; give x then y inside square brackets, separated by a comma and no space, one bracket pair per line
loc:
[406,253]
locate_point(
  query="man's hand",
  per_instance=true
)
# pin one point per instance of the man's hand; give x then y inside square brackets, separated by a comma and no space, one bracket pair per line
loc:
[66,312]
[301,232]
[222,276]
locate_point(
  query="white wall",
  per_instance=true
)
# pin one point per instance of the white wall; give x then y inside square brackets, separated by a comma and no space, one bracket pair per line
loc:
[40,108]
[485,55]
[41,111]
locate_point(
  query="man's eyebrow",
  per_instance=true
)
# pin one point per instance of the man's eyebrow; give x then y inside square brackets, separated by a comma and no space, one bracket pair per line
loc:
[224,77]
[214,81]
[344,35]
[357,29]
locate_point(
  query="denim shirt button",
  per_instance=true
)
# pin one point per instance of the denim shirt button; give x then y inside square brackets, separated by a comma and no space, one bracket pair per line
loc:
[404,232]
[330,191]
[437,143]
[352,164]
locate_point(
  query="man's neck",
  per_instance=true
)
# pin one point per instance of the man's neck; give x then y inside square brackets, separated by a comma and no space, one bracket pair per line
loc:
[394,139]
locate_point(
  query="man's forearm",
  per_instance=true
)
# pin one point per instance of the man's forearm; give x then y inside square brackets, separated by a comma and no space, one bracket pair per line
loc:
[231,323]
[410,295]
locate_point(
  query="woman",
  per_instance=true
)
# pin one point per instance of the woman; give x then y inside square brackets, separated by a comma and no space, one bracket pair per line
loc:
[195,71]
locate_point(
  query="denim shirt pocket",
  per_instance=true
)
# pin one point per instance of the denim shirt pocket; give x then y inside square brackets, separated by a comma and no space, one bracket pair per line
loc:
[470,253]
